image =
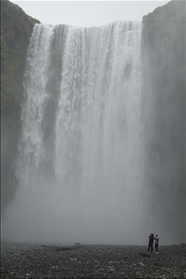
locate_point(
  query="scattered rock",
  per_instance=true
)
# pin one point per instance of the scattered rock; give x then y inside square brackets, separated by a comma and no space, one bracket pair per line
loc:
[141,264]
[158,264]
[94,261]
[144,254]
[65,248]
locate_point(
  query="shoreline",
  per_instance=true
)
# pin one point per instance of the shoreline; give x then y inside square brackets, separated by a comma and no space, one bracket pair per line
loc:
[93,261]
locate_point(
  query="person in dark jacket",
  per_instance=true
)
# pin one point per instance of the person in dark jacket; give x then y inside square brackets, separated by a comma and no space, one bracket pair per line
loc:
[151,241]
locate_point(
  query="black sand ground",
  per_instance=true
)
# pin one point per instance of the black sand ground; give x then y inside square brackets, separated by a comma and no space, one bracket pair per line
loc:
[94,261]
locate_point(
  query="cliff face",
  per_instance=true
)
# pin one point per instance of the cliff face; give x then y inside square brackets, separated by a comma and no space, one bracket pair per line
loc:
[164,113]
[16,29]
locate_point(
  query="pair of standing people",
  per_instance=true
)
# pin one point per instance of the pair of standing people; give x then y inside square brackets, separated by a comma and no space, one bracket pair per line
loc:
[151,241]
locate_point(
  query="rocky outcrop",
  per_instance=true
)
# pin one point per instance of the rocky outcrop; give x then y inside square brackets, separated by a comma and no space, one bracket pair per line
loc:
[164,115]
[16,30]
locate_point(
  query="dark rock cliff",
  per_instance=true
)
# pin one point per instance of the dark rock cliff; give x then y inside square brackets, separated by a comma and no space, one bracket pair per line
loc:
[164,113]
[16,29]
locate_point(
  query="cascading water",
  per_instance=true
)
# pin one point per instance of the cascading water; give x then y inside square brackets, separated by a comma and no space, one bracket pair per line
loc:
[80,165]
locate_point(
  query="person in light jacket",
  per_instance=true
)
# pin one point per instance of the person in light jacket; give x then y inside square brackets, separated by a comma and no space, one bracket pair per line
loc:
[156,238]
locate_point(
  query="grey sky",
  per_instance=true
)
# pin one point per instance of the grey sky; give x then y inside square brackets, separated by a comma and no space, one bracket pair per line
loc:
[87,13]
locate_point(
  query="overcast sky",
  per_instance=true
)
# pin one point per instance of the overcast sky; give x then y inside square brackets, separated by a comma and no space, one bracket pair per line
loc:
[87,13]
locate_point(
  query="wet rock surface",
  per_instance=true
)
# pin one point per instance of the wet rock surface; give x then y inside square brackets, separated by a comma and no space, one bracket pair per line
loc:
[93,261]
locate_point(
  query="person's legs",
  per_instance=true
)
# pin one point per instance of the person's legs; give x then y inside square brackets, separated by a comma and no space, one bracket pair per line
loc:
[148,248]
[156,247]
[151,247]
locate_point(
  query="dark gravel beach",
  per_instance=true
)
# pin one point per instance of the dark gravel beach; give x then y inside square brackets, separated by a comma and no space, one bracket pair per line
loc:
[93,261]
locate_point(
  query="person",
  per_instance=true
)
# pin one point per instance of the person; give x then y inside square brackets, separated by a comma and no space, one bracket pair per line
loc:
[156,243]
[151,240]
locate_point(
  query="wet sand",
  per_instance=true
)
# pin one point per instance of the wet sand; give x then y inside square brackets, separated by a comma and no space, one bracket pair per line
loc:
[93,261]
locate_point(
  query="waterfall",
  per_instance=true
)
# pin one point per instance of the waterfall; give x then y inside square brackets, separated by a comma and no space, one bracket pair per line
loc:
[80,164]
